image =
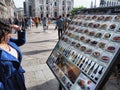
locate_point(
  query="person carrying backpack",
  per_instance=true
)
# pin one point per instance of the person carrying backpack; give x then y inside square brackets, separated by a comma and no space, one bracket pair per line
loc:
[59,25]
[66,22]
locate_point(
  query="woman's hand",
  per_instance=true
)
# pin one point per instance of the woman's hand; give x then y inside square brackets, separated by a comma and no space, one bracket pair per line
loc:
[16,27]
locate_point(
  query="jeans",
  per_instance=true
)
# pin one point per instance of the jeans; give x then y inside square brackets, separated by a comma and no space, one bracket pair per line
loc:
[59,33]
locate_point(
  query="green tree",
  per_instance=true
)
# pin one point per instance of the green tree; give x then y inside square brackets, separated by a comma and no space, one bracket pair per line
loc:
[76,9]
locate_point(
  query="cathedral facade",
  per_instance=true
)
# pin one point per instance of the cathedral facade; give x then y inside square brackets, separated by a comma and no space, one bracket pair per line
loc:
[48,8]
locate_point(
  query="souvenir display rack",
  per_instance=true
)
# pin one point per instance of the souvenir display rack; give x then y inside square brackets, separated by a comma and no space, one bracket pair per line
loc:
[85,55]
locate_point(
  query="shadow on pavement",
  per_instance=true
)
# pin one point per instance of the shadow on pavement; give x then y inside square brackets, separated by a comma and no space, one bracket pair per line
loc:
[49,85]
[112,85]
[52,40]
[36,52]
[53,84]
[40,32]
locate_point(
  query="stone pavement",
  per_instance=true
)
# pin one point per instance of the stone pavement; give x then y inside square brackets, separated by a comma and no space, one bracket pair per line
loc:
[35,53]
[37,49]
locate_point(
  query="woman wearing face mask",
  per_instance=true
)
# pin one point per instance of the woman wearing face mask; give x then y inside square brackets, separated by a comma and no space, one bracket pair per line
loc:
[11,72]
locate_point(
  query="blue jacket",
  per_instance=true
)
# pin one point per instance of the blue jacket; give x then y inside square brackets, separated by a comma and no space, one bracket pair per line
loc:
[11,72]
[60,23]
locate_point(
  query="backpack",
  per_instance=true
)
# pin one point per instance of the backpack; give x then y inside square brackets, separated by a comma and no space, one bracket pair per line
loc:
[65,23]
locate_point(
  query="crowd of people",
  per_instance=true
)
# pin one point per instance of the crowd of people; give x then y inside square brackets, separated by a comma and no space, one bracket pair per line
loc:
[29,22]
[61,22]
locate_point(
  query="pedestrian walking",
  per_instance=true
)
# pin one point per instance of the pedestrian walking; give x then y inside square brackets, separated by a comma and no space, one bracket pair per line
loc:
[48,23]
[30,23]
[59,26]
[23,23]
[66,21]
[44,23]
[36,20]
[11,72]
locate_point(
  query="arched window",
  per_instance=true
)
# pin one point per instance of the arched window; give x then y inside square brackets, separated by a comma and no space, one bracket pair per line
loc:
[68,8]
[55,14]
[41,8]
[41,15]
[47,8]
[63,9]
[55,3]
[47,15]
[47,1]
[63,2]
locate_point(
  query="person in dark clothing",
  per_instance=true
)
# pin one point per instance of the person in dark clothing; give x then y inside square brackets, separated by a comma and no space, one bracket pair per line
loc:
[11,72]
[66,21]
[44,23]
[59,25]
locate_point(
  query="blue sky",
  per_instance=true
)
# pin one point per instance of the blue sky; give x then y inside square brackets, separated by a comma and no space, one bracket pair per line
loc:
[77,3]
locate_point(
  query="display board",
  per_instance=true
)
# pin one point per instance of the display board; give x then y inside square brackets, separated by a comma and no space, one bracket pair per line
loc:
[85,55]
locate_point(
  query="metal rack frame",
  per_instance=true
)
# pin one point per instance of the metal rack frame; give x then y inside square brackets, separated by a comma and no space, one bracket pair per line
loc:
[94,11]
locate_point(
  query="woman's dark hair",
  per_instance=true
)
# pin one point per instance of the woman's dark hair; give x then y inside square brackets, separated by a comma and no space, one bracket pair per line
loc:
[4,29]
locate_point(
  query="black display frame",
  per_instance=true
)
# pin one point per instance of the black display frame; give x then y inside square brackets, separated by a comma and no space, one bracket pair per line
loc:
[107,74]
[61,86]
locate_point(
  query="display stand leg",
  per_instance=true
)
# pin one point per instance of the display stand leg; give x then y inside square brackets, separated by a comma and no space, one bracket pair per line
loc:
[60,87]
[103,88]
[116,76]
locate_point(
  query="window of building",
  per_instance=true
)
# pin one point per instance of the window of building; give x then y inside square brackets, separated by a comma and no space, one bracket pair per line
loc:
[41,8]
[63,2]
[47,1]
[41,15]
[55,3]
[68,8]
[47,15]
[63,9]
[63,14]
[47,8]
[55,14]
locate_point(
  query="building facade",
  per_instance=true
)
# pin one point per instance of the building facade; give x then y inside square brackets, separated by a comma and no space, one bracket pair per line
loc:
[20,12]
[107,3]
[7,8]
[48,8]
